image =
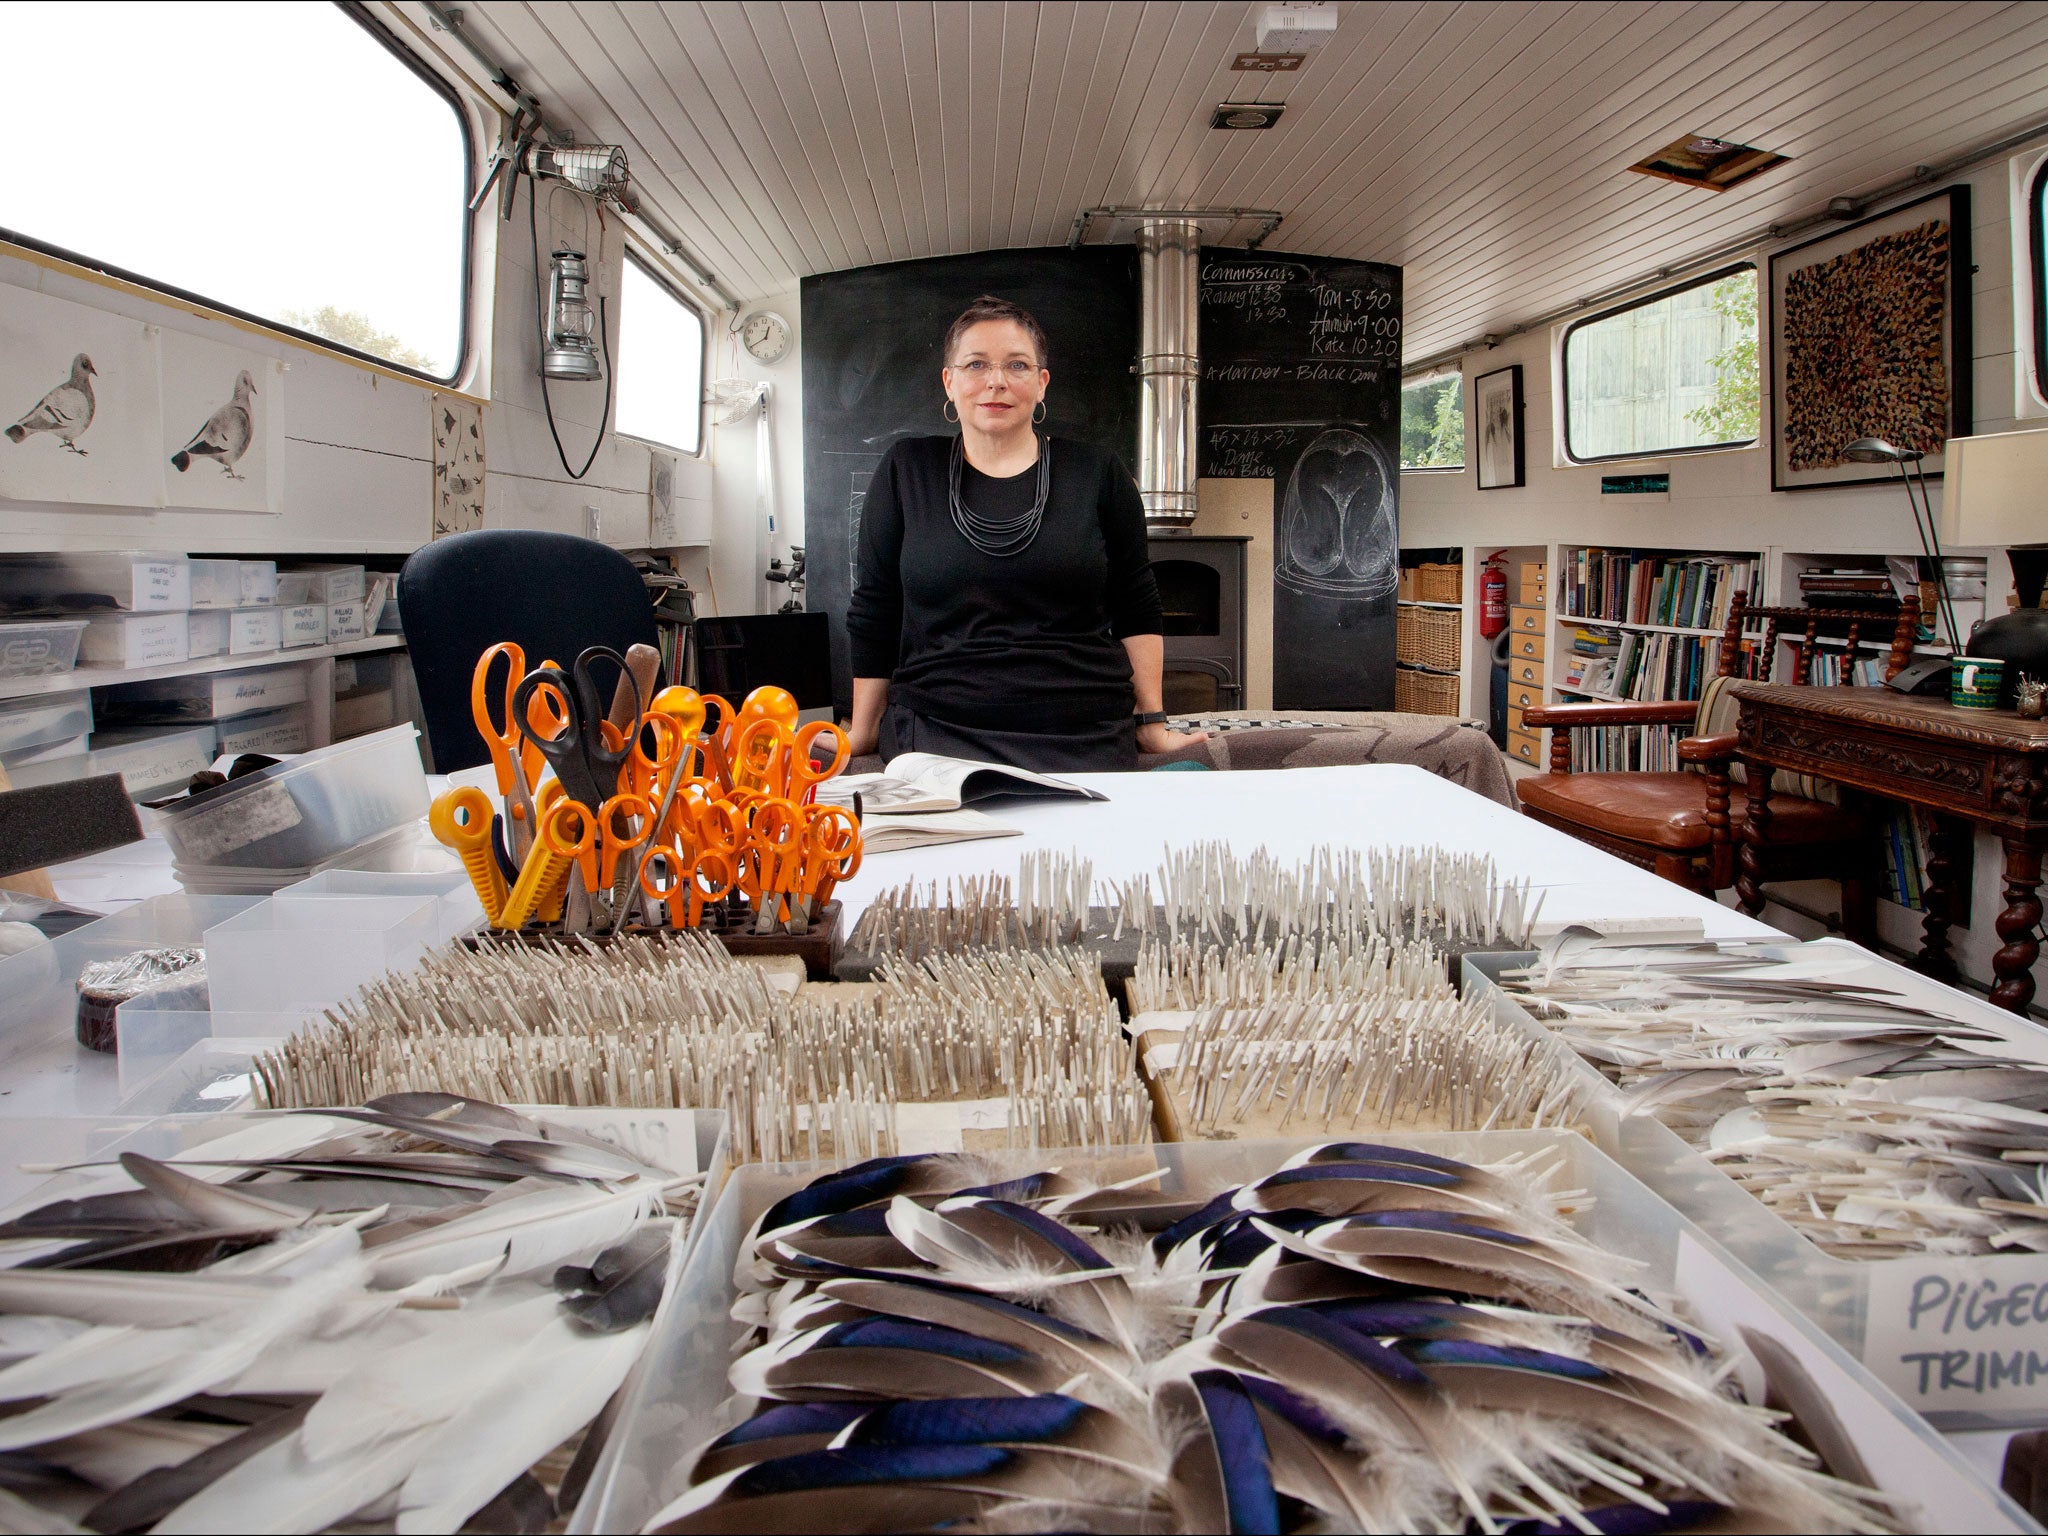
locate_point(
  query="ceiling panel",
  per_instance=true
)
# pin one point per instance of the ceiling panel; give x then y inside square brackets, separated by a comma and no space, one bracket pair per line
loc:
[1481,146]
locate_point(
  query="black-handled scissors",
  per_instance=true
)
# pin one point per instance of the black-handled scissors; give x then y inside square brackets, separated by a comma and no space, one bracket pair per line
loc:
[578,749]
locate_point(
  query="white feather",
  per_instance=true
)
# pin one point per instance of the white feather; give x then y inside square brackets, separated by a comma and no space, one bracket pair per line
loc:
[141,1300]
[279,1489]
[539,1230]
[18,1517]
[420,1383]
[115,1456]
[93,1356]
[551,1389]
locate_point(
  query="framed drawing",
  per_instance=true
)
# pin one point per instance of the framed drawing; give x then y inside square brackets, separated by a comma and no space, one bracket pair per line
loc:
[1870,337]
[1497,412]
[80,414]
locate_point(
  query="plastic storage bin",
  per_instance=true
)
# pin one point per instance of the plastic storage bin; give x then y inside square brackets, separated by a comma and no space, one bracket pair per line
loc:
[37,722]
[459,911]
[39,647]
[136,640]
[307,811]
[297,954]
[259,583]
[330,583]
[269,731]
[304,624]
[205,696]
[1838,1294]
[345,620]
[206,633]
[216,583]
[141,582]
[150,761]
[252,631]
[677,1398]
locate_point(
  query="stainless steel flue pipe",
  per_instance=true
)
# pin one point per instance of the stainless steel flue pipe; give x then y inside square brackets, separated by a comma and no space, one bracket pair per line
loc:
[1169,369]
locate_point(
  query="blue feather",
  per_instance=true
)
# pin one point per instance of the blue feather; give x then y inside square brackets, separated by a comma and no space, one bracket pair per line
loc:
[1379,1173]
[1241,1454]
[1297,1410]
[972,1421]
[862,1184]
[1234,1244]
[1050,1231]
[929,1338]
[1627,1520]
[1331,1334]
[1512,1357]
[1435,1221]
[793,1419]
[1024,1187]
[1372,1152]
[1398,1318]
[1218,1210]
[851,1466]
[998,1307]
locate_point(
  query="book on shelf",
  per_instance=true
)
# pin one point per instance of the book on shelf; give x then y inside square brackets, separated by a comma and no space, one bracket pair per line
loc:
[1675,591]
[1627,748]
[1908,848]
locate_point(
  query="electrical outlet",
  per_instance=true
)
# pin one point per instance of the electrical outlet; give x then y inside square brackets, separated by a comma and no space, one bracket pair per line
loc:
[593,524]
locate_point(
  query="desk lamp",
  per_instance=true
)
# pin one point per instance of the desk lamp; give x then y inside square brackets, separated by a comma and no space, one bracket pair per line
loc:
[1875,450]
[1995,492]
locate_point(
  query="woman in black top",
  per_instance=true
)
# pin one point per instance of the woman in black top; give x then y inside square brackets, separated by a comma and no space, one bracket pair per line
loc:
[1005,609]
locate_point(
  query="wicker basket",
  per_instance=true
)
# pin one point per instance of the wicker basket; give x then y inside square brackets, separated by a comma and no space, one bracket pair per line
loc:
[1406,591]
[1428,637]
[1440,583]
[1425,693]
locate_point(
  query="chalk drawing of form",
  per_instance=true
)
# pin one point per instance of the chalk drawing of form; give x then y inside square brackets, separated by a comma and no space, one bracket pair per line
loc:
[1337,534]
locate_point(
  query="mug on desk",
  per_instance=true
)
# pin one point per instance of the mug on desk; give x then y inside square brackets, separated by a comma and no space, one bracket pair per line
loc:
[1974,682]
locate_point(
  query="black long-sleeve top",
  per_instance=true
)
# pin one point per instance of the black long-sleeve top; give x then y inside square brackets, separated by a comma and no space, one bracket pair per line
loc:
[1031,641]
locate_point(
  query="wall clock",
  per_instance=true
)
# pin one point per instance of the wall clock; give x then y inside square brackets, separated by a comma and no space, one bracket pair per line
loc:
[766,335]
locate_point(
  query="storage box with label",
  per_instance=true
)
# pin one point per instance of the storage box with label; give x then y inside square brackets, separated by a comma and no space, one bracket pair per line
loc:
[209,696]
[344,621]
[39,647]
[135,639]
[151,761]
[304,624]
[138,583]
[255,630]
[331,583]
[26,723]
[372,710]
[71,746]
[216,583]
[270,731]
[259,583]
[293,588]
[206,632]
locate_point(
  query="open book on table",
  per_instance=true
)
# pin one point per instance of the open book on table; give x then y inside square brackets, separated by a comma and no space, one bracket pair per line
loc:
[918,782]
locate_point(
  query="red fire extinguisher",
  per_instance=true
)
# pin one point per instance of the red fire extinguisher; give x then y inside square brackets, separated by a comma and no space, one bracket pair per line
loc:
[1493,598]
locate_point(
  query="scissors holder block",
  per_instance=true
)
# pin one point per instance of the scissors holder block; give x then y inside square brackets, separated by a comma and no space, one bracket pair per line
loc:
[819,946]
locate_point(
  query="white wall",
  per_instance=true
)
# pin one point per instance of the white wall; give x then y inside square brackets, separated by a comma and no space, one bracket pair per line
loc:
[739,540]
[1723,500]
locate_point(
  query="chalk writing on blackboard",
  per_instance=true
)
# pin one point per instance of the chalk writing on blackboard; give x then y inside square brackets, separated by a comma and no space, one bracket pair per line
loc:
[1270,310]
[1337,521]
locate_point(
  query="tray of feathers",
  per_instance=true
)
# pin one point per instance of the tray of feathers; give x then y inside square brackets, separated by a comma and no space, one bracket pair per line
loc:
[685,1398]
[400,1315]
[1887,1134]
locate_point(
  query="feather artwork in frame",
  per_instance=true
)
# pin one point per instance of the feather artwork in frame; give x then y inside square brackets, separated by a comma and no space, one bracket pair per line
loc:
[458,430]
[1497,428]
[223,434]
[79,404]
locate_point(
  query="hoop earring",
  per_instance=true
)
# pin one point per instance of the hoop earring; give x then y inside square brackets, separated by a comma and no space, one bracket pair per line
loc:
[1039,415]
[948,411]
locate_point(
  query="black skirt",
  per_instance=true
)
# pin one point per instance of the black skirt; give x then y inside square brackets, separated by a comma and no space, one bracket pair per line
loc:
[1110,746]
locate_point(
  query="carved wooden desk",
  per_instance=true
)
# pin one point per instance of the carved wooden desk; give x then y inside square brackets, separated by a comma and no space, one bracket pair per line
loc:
[1985,767]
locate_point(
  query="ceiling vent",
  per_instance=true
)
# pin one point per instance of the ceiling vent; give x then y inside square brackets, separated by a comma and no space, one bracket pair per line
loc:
[1246,116]
[1698,160]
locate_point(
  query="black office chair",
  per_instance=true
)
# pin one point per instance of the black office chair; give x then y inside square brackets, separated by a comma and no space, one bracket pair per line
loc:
[553,593]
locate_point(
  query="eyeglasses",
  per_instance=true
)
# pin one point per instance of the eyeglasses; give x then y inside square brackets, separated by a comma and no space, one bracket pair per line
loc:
[978,369]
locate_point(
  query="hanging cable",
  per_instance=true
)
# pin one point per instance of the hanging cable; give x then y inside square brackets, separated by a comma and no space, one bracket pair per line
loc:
[540,308]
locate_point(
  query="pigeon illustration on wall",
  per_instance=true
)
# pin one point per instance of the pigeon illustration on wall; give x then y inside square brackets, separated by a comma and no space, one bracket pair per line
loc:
[65,411]
[227,433]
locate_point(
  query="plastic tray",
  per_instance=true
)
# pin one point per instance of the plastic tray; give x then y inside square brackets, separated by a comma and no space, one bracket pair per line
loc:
[39,722]
[1836,1293]
[677,1400]
[39,647]
[304,813]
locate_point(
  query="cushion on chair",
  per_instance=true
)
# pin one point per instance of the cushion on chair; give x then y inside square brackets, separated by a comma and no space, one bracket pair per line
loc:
[1669,810]
[1721,711]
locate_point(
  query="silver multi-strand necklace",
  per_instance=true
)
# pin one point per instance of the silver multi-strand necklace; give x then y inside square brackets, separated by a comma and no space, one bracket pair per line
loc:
[1001,538]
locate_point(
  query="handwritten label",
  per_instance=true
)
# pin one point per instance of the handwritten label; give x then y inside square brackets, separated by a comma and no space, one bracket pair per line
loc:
[305,624]
[246,818]
[1967,1334]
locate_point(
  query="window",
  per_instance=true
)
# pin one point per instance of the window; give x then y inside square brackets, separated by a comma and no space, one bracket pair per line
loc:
[282,162]
[1669,374]
[1433,422]
[661,362]
[2037,245]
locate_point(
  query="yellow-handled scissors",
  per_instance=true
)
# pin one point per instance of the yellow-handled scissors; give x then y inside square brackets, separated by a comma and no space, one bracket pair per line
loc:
[514,756]
[462,820]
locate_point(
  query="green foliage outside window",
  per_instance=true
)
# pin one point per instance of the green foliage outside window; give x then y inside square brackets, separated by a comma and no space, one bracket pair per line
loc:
[1733,413]
[1433,423]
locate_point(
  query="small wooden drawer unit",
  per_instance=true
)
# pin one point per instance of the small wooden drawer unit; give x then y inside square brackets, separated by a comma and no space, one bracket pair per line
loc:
[1535,590]
[1527,746]
[1523,646]
[1526,621]
[1521,671]
[1523,696]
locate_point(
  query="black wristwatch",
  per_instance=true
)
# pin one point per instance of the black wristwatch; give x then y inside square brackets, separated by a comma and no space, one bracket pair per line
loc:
[1151,717]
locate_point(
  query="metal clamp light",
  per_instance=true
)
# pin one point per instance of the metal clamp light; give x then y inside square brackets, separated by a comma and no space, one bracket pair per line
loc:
[1875,450]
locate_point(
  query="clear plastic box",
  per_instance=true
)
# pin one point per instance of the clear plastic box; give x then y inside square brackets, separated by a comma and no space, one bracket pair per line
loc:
[678,1397]
[460,911]
[39,722]
[269,731]
[142,582]
[206,633]
[405,849]
[216,583]
[1835,1293]
[205,695]
[39,647]
[151,761]
[297,954]
[304,813]
[148,639]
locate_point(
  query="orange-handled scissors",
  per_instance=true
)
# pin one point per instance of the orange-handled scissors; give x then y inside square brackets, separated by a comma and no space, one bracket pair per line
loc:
[760,758]
[804,773]
[652,776]
[832,852]
[568,832]
[712,876]
[628,810]
[686,710]
[514,755]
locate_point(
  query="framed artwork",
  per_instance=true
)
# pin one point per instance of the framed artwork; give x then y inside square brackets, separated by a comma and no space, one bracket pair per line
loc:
[223,426]
[1497,430]
[80,406]
[1870,337]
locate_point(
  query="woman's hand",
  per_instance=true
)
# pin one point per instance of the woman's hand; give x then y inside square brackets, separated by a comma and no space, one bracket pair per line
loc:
[1162,738]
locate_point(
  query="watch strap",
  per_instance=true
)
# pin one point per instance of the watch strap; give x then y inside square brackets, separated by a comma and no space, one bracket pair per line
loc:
[1151,717]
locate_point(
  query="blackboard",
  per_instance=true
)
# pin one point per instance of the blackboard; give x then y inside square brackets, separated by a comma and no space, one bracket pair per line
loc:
[1301,384]
[871,359]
